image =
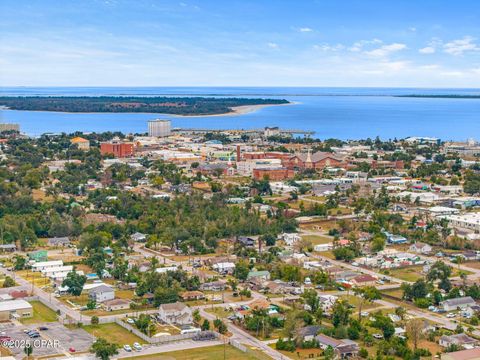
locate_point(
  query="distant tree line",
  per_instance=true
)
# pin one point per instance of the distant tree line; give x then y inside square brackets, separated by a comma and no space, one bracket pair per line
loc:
[166,105]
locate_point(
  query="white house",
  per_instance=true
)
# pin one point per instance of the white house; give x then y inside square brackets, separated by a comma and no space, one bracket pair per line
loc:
[291,239]
[457,303]
[224,267]
[101,294]
[176,313]
[43,265]
[420,248]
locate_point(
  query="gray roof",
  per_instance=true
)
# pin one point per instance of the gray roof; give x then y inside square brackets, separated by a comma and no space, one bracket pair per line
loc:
[458,301]
[101,289]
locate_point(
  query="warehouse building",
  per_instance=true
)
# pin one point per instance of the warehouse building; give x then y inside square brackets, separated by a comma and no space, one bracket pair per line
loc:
[15,309]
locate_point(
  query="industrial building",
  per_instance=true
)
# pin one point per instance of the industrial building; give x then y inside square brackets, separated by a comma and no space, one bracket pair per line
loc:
[159,128]
[15,309]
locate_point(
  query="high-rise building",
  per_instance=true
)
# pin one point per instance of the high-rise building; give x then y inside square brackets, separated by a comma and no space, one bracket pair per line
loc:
[159,128]
[9,127]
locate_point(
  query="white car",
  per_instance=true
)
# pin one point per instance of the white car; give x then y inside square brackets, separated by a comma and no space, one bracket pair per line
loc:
[450,315]
[378,336]
[127,348]
[137,346]
[364,313]
[130,321]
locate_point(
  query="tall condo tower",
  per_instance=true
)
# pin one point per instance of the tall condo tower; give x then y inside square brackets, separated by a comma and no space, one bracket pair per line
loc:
[159,128]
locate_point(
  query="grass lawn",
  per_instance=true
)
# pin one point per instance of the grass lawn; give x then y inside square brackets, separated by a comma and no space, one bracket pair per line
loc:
[114,333]
[36,277]
[220,312]
[412,273]
[317,239]
[301,353]
[205,353]
[355,300]
[41,313]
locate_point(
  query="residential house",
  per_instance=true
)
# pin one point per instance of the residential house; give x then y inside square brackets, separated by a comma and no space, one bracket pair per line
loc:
[262,275]
[224,268]
[213,286]
[192,295]
[342,348]
[116,304]
[8,248]
[291,239]
[176,313]
[420,248]
[470,354]
[308,333]
[364,280]
[102,293]
[58,241]
[246,241]
[457,303]
[460,340]
[138,237]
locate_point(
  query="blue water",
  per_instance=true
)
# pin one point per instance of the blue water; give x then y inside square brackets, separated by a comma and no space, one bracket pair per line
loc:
[345,113]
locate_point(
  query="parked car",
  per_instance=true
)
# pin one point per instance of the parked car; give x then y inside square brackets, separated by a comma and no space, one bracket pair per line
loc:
[130,321]
[127,348]
[378,336]
[450,315]
[43,328]
[72,350]
[137,346]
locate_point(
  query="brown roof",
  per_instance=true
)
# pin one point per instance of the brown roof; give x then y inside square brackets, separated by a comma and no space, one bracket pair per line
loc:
[116,302]
[364,278]
[470,354]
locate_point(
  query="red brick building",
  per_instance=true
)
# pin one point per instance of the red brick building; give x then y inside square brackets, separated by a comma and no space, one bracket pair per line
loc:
[117,149]
[273,174]
[317,161]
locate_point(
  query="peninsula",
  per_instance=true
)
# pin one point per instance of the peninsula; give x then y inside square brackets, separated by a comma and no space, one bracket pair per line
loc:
[114,104]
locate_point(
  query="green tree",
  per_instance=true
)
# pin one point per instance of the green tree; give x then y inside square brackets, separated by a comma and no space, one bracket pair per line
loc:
[28,350]
[103,349]
[8,282]
[241,270]
[74,282]
[205,325]
[367,294]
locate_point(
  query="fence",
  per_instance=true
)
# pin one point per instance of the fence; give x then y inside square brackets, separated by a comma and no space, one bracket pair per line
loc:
[161,339]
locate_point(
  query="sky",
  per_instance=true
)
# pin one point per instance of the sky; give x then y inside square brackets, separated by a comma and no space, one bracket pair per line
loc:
[344,43]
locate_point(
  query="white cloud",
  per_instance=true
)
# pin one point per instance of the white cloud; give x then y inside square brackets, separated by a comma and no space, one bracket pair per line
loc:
[386,50]
[305,29]
[272,45]
[359,45]
[451,73]
[427,50]
[460,46]
[412,29]
[328,47]
[430,67]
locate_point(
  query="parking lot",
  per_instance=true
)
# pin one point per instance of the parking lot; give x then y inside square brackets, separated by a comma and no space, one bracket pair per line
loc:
[56,340]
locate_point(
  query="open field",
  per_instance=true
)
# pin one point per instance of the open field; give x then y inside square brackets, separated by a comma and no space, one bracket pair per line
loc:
[355,301]
[218,352]
[317,239]
[35,277]
[413,273]
[41,314]
[113,333]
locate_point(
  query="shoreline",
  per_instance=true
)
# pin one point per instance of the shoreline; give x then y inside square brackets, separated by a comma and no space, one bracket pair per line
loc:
[236,110]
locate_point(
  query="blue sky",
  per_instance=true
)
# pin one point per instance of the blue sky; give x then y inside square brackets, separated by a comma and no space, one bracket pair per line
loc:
[402,43]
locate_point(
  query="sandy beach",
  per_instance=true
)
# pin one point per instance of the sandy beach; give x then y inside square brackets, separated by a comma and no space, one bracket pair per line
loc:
[239,110]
